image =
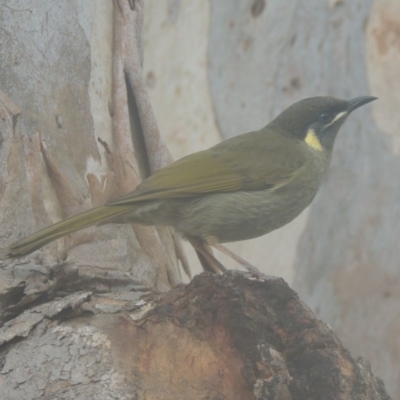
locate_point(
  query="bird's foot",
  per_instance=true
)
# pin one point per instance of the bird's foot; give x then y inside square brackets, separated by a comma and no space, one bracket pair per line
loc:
[253,271]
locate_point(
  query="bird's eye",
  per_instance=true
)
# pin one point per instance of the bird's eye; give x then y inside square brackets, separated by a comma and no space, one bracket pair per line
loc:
[324,118]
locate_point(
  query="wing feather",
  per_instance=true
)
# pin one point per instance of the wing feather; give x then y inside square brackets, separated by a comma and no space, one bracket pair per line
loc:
[223,168]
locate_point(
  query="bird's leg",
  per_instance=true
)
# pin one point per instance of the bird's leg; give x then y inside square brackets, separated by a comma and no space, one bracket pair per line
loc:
[206,257]
[251,268]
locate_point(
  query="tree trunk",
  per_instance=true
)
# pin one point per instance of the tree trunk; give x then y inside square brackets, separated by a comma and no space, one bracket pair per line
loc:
[74,136]
[238,64]
[220,337]
[77,129]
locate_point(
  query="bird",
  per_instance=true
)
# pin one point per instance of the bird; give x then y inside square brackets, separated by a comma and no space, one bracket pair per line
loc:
[241,188]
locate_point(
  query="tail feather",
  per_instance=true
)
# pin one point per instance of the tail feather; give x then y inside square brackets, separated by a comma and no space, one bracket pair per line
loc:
[59,229]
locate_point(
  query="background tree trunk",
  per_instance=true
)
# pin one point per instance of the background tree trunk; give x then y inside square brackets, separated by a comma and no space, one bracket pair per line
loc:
[213,69]
[229,67]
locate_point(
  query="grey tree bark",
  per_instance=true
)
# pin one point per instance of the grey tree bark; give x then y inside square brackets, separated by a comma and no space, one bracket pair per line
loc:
[77,130]
[213,69]
[341,254]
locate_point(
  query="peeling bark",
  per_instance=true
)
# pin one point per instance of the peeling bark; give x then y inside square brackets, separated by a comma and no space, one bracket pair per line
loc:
[86,318]
[220,337]
[54,189]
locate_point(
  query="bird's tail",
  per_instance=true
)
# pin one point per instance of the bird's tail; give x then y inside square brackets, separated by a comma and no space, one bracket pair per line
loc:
[59,229]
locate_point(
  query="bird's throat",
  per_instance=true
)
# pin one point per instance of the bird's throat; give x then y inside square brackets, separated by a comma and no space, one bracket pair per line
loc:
[313,141]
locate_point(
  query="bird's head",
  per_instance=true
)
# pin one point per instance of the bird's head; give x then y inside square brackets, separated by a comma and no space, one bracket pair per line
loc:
[317,120]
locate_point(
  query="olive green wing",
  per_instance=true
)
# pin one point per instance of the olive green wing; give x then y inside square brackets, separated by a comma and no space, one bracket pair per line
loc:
[233,165]
[193,175]
[273,162]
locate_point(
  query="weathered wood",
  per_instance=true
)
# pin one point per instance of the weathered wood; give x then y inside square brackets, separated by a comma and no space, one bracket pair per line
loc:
[215,67]
[220,337]
[341,254]
[74,134]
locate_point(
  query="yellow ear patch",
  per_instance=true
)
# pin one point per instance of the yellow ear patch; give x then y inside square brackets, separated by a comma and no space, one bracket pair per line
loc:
[312,140]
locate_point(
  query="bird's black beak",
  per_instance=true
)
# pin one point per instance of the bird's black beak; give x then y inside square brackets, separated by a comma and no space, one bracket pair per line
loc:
[358,102]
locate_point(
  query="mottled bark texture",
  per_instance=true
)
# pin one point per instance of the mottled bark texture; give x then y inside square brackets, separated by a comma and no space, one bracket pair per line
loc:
[342,254]
[220,337]
[70,76]
[77,129]
[86,135]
